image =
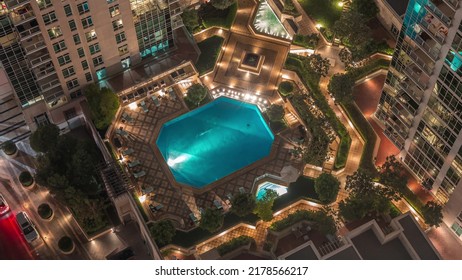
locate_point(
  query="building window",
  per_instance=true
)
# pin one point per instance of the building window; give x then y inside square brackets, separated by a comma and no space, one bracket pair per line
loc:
[125,63]
[110,1]
[94,48]
[91,35]
[55,32]
[68,10]
[117,24]
[60,46]
[64,59]
[114,10]
[88,77]
[98,60]
[123,49]
[457,229]
[81,52]
[83,8]
[72,25]
[101,74]
[87,22]
[75,94]
[69,71]
[72,84]
[70,114]
[84,64]
[49,18]
[120,37]
[41,119]
[394,30]
[76,39]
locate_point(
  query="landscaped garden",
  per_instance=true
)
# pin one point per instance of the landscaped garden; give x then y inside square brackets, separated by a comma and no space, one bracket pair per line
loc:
[210,49]
[208,15]
[324,12]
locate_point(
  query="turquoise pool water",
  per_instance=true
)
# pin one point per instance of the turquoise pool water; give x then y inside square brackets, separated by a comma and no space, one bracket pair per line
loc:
[214,141]
[262,188]
[266,21]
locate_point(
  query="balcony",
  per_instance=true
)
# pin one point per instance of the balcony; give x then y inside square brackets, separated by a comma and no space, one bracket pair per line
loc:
[44,86]
[410,88]
[39,58]
[14,3]
[436,33]
[452,3]
[419,61]
[44,70]
[22,14]
[441,11]
[403,116]
[29,32]
[33,44]
[407,103]
[432,52]
[417,76]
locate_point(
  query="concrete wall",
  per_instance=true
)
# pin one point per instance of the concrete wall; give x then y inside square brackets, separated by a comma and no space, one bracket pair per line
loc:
[387,16]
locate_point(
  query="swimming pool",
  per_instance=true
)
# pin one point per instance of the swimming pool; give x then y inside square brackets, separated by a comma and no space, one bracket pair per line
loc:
[266,21]
[214,141]
[264,187]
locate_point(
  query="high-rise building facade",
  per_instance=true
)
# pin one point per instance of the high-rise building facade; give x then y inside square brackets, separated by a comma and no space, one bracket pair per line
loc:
[421,103]
[51,49]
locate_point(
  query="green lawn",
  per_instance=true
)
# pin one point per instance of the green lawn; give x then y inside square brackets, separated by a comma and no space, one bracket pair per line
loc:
[324,12]
[221,18]
[210,49]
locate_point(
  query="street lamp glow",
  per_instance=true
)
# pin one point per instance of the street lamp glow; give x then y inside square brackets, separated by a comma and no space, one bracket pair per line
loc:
[142,198]
[318,25]
[340,4]
[132,106]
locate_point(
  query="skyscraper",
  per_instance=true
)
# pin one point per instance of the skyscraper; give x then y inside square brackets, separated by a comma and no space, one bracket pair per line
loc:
[421,103]
[51,49]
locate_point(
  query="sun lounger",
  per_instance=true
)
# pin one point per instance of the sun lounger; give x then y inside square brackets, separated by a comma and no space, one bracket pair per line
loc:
[155,100]
[143,105]
[171,93]
[147,190]
[127,117]
[121,132]
[134,163]
[242,190]
[202,211]
[128,152]
[229,196]
[139,174]
[152,208]
[218,204]
[193,218]
[158,207]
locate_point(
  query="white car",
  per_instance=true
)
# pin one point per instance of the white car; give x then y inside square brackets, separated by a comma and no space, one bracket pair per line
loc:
[4,208]
[26,226]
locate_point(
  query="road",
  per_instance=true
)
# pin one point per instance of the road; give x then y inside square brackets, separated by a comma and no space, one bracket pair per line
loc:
[13,246]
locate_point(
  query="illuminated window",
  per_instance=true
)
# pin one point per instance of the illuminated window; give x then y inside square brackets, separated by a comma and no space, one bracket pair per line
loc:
[114,10]
[117,24]
[123,49]
[55,32]
[91,35]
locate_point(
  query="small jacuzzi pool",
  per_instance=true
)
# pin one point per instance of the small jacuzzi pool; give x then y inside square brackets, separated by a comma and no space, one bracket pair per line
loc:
[264,187]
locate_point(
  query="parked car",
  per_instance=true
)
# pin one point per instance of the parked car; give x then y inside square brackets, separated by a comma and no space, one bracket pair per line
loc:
[4,208]
[27,227]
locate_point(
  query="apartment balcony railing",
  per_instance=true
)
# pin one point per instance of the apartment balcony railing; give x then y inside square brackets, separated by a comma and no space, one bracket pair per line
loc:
[433,33]
[29,32]
[413,92]
[439,14]
[452,3]
[433,53]
[43,73]
[398,113]
[19,18]
[49,85]
[14,3]
[417,79]
[419,61]
[40,60]
[405,104]
[34,47]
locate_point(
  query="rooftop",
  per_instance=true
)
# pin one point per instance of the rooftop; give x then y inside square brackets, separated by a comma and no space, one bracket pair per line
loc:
[418,240]
[399,6]
[370,247]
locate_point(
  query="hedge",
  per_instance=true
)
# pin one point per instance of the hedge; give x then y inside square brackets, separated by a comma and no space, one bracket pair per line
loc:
[323,222]
[311,81]
[233,244]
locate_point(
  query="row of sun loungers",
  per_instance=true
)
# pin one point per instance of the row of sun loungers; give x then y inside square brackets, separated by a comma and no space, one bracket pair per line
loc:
[139,174]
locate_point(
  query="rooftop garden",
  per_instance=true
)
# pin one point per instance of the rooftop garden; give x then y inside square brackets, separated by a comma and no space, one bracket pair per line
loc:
[210,50]
[324,12]
[210,15]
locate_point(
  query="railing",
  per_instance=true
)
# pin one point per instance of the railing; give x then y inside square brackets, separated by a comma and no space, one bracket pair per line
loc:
[417,79]
[411,92]
[453,3]
[40,60]
[34,47]
[403,119]
[49,85]
[16,18]
[405,104]
[422,64]
[444,18]
[435,35]
[432,52]
[13,3]
[29,32]
[40,74]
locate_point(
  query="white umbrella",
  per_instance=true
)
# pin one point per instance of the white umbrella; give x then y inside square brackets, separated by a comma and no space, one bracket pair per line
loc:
[289,173]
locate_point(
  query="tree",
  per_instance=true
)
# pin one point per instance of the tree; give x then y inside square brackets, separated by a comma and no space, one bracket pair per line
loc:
[341,87]
[346,57]
[286,88]
[103,105]
[365,7]
[325,223]
[212,220]
[393,174]
[243,204]
[432,213]
[222,4]
[275,112]
[44,138]
[355,207]
[190,19]
[327,187]
[264,206]
[163,232]
[351,28]
[196,93]
[361,184]
[319,65]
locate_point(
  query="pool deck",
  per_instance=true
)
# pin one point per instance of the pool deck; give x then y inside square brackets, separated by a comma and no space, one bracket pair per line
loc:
[180,200]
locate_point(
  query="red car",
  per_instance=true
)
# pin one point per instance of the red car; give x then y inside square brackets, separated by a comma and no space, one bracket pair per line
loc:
[4,208]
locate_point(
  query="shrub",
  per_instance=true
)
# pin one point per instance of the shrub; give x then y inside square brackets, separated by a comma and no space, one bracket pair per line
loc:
[286,88]
[162,232]
[44,210]
[233,244]
[66,244]
[26,178]
[9,148]
[322,221]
